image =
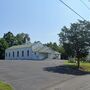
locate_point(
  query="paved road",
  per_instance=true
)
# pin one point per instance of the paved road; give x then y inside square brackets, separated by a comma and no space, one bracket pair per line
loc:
[32,75]
[79,83]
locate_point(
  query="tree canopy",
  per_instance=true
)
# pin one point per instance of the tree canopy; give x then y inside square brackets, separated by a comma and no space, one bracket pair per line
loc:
[76,39]
[22,38]
[9,38]
[3,46]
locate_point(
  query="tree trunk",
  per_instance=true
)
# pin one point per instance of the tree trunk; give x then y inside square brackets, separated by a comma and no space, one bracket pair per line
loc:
[78,63]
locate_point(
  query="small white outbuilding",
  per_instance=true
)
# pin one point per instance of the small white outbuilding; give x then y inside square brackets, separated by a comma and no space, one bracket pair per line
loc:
[29,51]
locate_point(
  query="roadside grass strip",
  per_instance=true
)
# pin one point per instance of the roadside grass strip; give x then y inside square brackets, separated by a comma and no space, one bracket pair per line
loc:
[84,66]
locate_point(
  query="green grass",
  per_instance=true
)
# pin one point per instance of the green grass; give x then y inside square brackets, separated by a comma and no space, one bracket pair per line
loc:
[5,86]
[85,66]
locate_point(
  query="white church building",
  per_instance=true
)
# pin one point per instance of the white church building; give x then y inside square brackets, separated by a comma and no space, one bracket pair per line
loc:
[30,51]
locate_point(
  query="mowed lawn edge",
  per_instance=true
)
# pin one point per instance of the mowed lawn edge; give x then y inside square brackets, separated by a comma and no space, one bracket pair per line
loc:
[85,66]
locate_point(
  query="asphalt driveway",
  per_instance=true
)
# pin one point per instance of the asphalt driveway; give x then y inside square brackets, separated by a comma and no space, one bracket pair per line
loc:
[30,75]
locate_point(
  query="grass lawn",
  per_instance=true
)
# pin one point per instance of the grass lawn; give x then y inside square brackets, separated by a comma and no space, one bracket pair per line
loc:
[5,86]
[85,66]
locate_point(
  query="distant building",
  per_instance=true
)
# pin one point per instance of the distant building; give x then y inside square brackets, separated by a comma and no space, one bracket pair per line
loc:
[29,51]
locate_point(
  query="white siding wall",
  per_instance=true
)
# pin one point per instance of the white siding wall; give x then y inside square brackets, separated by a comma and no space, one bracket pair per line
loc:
[20,54]
[42,56]
[32,55]
[53,56]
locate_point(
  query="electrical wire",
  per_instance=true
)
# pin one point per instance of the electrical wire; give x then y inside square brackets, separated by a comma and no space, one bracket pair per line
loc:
[85,4]
[71,9]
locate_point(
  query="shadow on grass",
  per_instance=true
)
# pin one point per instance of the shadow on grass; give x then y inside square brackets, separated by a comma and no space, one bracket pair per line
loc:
[66,69]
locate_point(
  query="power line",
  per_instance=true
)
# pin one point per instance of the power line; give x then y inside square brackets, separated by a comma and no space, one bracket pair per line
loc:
[71,9]
[85,4]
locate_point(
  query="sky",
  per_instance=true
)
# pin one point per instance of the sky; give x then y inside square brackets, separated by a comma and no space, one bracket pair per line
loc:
[41,19]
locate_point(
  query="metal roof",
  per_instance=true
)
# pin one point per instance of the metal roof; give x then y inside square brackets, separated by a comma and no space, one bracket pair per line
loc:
[20,46]
[36,47]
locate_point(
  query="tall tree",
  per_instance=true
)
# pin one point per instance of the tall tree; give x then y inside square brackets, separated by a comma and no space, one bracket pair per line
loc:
[76,39]
[10,38]
[3,46]
[22,38]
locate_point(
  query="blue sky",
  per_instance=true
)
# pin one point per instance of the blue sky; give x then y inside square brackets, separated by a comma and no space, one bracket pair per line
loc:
[41,19]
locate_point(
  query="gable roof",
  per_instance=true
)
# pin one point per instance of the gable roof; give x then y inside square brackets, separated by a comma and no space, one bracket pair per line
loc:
[39,47]
[36,47]
[20,46]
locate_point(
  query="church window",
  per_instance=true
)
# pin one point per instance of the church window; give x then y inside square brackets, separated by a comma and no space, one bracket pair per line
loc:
[9,54]
[17,53]
[27,52]
[13,54]
[35,53]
